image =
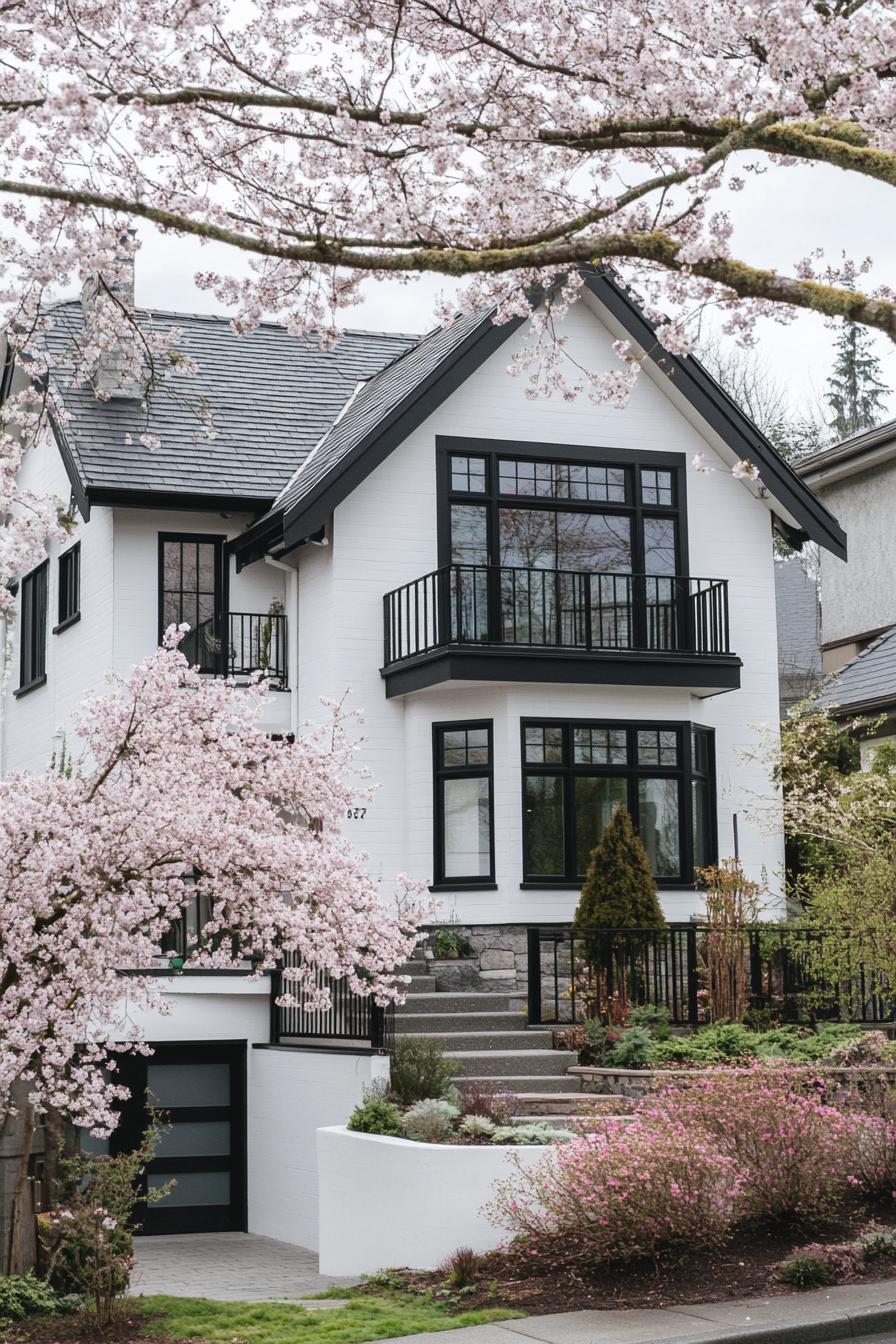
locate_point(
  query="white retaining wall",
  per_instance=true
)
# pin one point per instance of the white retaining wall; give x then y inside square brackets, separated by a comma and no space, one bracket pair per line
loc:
[390,1202]
[292,1093]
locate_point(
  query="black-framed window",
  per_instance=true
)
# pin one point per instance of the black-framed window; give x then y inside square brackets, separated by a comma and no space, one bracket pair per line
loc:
[69,583]
[538,506]
[192,590]
[463,803]
[577,773]
[33,629]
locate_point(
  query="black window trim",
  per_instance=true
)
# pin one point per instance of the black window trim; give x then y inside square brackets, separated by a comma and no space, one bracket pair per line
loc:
[590,455]
[219,540]
[631,771]
[72,557]
[440,773]
[26,587]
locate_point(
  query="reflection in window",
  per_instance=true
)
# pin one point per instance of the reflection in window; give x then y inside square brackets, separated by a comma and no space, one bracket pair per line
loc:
[575,775]
[463,822]
[191,592]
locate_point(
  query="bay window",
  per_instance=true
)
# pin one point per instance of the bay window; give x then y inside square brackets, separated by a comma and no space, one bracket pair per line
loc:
[576,774]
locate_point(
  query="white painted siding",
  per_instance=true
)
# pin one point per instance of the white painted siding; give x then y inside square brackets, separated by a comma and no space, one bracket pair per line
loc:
[384,535]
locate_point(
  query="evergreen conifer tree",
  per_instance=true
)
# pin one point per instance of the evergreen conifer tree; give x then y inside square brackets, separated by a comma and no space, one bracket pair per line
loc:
[619,890]
[855,392]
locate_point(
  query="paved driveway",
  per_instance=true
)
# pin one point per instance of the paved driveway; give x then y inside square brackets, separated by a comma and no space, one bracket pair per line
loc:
[230,1266]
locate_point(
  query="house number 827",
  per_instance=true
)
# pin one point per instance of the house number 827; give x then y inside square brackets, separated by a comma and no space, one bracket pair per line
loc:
[356,813]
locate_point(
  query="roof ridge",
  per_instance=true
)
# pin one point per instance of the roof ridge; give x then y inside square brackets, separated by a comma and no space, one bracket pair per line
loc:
[265,322]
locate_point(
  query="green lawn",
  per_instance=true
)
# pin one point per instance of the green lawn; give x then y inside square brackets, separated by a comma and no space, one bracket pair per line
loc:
[366,1317]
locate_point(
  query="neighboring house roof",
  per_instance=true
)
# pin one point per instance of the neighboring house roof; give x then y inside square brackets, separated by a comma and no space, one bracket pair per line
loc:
[796,610]
[271,396]
[860,452]
[867,681]
[403,395]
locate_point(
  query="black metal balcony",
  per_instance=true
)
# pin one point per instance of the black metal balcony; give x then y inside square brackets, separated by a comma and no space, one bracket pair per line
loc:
[494,622]
[239,644]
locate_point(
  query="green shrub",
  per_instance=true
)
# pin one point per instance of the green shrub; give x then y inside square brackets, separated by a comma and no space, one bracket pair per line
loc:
[804,1271]
[816,1266]
[632,1051]
[536,1133]
[477,1127]
[871,1047]
[880,1241]
[376,1116]
[24,1295]
[419,1070]
[654,1018]
[430,1120]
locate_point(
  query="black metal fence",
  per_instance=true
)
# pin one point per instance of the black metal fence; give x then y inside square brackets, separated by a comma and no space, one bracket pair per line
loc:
[573,973]
[351,1019]
[555,608]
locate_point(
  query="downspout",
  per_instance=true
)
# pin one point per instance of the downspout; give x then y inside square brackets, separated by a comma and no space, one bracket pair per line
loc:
[292,637]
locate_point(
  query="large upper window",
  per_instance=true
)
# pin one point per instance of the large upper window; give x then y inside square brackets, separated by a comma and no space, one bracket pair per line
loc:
[464,847]
[565,538]
[191,590]
[575,775]
[33,629]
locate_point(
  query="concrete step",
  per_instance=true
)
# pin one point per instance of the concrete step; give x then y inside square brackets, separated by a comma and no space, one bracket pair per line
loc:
[512,1063]
[562,1103]
[524,1084]
[422,1024]
[415,967]
[462,1002]
[577,1123]
[421,984]
[514,1041]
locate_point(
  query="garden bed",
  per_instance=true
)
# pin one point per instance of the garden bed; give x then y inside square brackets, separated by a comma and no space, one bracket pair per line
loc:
[743,1267]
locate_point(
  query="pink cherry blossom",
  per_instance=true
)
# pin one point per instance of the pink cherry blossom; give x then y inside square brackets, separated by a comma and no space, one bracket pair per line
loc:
[176,792]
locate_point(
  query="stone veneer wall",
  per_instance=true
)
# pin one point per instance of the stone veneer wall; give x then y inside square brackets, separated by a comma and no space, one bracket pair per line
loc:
[496,962]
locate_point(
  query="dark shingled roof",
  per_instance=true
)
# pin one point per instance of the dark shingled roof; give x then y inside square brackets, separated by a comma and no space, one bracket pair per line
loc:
[868,679]
[272,396]
[376,400]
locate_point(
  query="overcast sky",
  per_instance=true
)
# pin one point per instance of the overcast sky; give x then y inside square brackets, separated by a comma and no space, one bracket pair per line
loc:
[779,218]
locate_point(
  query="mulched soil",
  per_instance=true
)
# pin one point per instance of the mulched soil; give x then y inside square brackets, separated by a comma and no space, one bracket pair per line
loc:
[743,1267]
[127,1328]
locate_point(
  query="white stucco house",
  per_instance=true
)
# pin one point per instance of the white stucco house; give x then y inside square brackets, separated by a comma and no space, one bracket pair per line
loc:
[541,607]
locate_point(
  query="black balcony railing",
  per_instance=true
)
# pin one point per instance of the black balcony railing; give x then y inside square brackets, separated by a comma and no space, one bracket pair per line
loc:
[555,608]
[351,1019]
[239,644]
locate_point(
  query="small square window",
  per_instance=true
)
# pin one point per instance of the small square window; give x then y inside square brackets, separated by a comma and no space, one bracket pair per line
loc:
[468,475]
[600,746]
[544,746]
[657,747]
[656,488]
[463,747]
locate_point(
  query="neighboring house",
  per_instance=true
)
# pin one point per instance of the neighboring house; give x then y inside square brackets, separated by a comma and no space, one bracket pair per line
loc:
[542,607]
[857,480]
[799,630]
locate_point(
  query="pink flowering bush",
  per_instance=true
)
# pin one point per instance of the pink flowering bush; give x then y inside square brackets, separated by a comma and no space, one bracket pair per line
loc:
[795,1155]
[620,1195]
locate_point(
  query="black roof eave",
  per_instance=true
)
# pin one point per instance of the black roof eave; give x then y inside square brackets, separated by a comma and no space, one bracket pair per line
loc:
[139,497]
[374,447]
[722,414]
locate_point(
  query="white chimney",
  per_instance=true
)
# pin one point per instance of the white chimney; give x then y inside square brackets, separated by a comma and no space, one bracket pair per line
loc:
[116,375]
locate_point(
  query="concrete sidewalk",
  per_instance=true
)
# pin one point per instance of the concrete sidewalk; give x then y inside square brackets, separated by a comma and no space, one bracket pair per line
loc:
[829,1314]
[227,1266]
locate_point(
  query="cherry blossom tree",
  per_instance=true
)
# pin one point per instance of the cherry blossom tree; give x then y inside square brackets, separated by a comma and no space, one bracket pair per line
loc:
[333,141]
[175,792]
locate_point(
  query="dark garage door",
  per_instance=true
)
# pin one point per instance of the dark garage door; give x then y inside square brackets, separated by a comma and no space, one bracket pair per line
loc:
[200,1087]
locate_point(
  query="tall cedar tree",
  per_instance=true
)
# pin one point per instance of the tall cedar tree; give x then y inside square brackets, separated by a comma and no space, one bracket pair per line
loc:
[855,391]
[619,890]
